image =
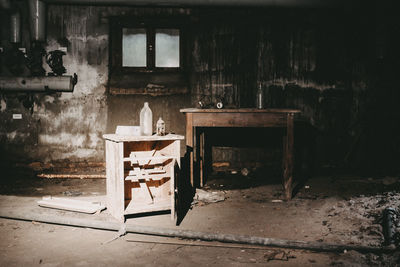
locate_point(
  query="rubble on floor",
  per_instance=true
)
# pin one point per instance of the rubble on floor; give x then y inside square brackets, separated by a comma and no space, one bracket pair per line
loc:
[365,213]
[206,197]
[327,209]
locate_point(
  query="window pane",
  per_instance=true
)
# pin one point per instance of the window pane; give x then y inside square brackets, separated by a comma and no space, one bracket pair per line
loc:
[134,44]
[167,48]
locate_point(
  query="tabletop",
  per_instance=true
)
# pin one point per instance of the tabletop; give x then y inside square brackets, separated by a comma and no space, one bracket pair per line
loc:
[240,110]
[132,138]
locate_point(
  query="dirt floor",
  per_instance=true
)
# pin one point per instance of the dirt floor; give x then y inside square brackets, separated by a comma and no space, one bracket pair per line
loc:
[327,209]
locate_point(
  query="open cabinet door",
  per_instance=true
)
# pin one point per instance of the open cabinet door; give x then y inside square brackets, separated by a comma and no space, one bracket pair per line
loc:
[175,193]
[183,191]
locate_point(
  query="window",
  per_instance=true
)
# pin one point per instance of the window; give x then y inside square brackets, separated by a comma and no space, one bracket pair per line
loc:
[167,48]
[147,54]
[134,47]
[139,49]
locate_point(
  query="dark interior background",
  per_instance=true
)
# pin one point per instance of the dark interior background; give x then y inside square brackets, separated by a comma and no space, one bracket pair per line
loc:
[338,64]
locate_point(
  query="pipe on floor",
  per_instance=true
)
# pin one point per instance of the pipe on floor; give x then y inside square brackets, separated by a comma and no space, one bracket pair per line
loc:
[188,234]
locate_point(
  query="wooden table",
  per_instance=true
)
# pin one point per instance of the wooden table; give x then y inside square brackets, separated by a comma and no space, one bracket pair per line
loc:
[248,117]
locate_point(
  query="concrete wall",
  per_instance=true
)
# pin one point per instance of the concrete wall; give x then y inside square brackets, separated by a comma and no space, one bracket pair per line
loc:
[336,65]
[70,125]
[64,125]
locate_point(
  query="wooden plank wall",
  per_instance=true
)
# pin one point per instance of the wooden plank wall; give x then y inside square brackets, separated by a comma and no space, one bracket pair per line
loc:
[235,51]
[315,60]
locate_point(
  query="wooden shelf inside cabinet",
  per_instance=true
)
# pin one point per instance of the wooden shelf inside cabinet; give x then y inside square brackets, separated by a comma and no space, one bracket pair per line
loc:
[141,172]
[141,207]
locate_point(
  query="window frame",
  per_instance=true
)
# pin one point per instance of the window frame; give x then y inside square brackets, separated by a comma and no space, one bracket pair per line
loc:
[150,26]
[144,81]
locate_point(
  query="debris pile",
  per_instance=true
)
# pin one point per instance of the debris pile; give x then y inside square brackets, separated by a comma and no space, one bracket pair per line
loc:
[367,214]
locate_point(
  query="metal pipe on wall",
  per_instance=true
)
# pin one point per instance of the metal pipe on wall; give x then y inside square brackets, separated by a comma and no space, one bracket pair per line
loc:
[37,10]
[38,84]
[15,28]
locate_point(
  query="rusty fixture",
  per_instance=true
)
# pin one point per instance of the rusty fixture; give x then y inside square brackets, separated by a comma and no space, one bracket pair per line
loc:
[204,101]
[17,59]
[219,102]
[55,62]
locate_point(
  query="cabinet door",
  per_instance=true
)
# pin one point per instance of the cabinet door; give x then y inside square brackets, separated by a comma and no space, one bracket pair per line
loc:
[183,191]
[175,193]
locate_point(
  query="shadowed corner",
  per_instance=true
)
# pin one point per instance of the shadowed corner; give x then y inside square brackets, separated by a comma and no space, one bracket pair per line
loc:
[184,192]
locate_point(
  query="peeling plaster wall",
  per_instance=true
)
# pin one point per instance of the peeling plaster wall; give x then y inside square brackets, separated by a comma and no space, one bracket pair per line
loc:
[76,127]
[64,125]
[338,66]
[80,122]
[69,126]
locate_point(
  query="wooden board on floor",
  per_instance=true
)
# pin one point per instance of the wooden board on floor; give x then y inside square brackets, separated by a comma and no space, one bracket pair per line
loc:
[70,204]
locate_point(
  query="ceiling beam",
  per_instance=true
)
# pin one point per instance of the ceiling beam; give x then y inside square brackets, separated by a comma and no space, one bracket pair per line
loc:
[194,3]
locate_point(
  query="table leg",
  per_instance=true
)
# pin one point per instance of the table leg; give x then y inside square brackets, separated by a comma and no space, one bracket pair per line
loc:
[202,160]
[195,171]
[288,158]
[189,143]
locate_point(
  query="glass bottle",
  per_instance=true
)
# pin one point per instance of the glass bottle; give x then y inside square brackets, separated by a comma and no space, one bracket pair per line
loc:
[260,97]
[146,120]
[160,126]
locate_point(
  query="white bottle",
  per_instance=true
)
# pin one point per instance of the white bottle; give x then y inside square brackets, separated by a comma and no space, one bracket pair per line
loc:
[146,120]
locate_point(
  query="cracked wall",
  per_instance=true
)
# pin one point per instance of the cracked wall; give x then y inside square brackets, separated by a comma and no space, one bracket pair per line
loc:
[336,65]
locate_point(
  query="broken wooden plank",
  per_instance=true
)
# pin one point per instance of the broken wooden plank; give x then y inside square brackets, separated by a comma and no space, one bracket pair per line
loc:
[151,174]
[70,204]
[153,177]
[136,172]
[146,191]
[156,160]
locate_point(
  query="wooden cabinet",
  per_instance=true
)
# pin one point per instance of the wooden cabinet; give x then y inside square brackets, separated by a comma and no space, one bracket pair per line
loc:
[141,173]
